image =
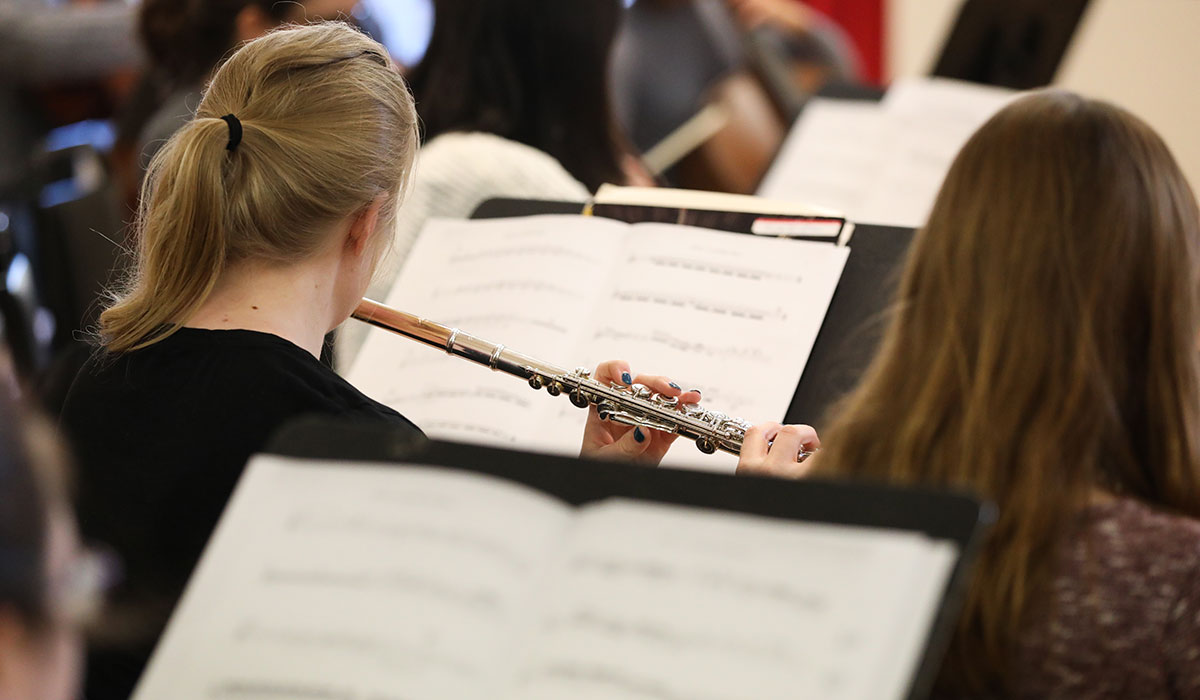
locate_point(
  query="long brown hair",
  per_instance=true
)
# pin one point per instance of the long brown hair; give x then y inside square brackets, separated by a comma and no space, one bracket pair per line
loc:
[328,125]
[1043,347]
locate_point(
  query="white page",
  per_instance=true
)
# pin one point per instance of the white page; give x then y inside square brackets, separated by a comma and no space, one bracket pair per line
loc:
[929,121]
[671,602]
[882,163]
[732,315]
[835,147]
[358,581]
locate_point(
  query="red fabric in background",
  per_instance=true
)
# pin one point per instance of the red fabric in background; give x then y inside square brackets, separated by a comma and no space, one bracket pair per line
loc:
[863,21]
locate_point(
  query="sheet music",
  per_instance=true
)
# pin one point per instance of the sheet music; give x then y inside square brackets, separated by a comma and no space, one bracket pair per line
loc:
[732,315]
[682,603]
[882,163]
[386,581]
[929,121]
[328,580]
[835,147]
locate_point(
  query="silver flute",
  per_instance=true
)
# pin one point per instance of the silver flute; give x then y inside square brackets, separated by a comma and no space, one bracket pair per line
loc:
[635,405]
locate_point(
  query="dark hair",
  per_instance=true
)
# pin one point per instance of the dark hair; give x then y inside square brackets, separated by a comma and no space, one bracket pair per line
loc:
[533,71]
[187,38]
[27,487]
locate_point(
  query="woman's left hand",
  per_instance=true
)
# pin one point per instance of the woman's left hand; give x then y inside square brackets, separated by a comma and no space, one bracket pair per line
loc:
[605,439]
[771,449]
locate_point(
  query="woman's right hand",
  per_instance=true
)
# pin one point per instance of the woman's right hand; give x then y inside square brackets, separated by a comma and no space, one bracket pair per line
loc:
[772,449]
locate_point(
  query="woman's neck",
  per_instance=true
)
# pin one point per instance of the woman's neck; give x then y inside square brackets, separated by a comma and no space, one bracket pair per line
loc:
[294,302]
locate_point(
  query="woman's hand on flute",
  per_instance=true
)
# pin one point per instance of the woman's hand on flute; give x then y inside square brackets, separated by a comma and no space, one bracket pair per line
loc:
[771,449]
[605,439]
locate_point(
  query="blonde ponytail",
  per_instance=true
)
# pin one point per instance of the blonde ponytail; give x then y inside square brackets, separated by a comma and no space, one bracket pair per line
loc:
[327,124]
[182,247]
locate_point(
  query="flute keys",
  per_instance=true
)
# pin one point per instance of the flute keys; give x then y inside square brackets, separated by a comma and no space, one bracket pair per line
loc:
[579,399]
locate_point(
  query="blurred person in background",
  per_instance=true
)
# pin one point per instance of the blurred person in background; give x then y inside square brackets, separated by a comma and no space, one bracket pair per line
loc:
[48,586]
[514,99]
[187,39]
[61,64]
[670,53]
[754,60]
[43,45]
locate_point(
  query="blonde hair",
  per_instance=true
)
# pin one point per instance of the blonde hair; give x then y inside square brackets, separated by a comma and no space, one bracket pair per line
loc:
[328,126]
[1043,347]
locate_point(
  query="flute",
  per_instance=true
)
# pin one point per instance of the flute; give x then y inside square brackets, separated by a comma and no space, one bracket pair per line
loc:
[635,405]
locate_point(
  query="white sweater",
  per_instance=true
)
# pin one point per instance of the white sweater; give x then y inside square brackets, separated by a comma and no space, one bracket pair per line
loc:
[455,173]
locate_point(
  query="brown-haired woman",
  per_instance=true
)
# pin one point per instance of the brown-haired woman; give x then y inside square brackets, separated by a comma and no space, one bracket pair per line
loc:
[1043,353]
[262,221]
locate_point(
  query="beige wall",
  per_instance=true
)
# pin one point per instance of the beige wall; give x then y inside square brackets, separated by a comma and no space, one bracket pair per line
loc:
[1145,56]
[916,30]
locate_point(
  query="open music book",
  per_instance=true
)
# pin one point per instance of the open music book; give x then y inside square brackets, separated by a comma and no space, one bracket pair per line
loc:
[732,315]
[341,580]
[881,163]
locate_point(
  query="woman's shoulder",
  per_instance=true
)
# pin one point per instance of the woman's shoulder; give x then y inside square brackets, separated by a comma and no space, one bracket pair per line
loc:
[480,142]
[213,364]
[1129,524]
[214,378]
[1136,550]
[1120,619]
[483,157]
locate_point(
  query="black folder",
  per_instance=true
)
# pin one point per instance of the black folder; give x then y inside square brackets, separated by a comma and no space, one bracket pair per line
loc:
[958,518]
[1018,44]
[851,330]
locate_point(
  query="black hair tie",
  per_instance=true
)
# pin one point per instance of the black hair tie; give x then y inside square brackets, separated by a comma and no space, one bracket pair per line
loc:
[235,131]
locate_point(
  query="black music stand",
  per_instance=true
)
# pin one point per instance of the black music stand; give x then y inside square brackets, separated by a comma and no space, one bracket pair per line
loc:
[940,515]
[1010,43]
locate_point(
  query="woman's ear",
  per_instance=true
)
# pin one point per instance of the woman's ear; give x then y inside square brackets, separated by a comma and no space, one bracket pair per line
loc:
[364,225]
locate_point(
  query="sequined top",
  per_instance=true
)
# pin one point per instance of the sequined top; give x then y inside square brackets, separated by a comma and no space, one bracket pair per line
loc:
[1124,619]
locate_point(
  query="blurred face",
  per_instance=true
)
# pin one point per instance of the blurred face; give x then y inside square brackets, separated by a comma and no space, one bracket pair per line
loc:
[323,9]
[252,22]
[46,663]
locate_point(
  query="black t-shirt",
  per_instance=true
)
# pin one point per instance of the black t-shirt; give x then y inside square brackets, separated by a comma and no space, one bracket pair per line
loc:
[161,436]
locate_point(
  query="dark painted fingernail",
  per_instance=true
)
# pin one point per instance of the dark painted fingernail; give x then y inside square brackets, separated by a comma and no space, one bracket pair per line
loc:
[696,390]
[639,435]
[673,385]
[626,378]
